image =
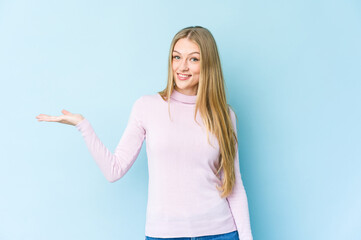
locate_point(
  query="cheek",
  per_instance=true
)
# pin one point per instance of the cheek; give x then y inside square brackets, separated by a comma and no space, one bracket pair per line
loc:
[174,66]
[196,69]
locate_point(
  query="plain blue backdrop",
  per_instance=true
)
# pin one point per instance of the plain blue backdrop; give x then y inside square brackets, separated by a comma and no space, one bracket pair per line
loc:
[292,71]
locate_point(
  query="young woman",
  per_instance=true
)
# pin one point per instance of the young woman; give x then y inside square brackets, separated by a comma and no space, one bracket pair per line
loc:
[195,188]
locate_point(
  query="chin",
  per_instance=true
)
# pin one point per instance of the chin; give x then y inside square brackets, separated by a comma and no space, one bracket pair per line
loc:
[181,86]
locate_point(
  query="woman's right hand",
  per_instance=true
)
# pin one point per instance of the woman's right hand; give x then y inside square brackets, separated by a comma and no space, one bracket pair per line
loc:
[67,118]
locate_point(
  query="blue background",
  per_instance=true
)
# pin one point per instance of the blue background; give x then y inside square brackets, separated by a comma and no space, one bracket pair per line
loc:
[292,70]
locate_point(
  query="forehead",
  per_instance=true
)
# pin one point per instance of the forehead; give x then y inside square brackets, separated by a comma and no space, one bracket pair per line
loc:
[185,46]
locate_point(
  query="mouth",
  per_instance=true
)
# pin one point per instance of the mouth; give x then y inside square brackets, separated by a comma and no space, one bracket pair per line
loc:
[183,76]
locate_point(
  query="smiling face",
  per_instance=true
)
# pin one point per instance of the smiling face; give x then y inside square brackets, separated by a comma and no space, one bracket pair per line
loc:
[186,66]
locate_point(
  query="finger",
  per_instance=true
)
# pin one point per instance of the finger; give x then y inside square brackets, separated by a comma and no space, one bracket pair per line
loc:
[42,115]
[50,118]
[65,112]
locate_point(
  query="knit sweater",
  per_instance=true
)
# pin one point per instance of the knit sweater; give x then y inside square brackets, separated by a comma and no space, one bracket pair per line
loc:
[183,200]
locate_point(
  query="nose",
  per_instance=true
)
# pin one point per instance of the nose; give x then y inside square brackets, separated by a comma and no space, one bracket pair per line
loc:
[183,66]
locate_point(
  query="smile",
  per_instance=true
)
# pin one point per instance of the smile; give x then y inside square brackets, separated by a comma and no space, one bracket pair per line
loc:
[183,75]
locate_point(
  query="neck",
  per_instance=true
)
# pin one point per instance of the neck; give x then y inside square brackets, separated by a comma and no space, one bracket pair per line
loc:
[181,97]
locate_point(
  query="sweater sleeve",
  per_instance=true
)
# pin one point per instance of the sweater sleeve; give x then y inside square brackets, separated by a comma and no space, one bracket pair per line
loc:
[238,199]
[115,165]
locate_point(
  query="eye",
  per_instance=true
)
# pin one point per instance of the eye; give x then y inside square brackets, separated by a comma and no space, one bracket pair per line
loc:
[195,59]
[176,57]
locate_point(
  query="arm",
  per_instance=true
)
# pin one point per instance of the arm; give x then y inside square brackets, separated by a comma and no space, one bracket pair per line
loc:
[115,166]
[238,199]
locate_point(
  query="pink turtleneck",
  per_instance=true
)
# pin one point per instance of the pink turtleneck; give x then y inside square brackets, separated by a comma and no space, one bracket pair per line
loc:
[183,200]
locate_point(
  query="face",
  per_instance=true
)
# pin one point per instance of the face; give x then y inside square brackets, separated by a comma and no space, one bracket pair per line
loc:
[186,66]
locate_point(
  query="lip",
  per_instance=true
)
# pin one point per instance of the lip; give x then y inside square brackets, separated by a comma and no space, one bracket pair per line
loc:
[183,78]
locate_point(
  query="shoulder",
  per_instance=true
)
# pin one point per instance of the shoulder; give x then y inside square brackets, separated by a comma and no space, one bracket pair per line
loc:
[232,113]
[147,101]
[233,116]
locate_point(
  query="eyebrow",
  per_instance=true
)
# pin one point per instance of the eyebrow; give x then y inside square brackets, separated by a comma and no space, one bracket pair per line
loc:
[188,54]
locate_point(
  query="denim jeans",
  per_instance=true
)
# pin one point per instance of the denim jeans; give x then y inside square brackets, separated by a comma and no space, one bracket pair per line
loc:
[224,236]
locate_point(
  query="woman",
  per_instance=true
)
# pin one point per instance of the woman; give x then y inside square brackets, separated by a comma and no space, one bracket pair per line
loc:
[195,188]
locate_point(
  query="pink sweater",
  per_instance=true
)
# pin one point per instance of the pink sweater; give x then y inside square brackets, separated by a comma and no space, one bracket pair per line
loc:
[182,197]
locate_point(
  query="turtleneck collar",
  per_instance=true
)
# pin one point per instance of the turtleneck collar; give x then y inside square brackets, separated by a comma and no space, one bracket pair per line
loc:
[190,99]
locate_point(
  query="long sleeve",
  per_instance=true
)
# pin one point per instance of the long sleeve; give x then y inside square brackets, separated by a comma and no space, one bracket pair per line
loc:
[115,166]
[238,199]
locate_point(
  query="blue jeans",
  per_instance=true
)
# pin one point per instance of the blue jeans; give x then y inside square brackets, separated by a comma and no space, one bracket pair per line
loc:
[224,236]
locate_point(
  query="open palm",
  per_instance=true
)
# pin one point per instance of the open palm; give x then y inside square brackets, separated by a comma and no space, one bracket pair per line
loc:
[67,118]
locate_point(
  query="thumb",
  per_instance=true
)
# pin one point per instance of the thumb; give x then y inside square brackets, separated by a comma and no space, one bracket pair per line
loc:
[65,112]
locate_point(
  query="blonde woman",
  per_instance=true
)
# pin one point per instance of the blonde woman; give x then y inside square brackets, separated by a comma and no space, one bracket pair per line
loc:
[195,186]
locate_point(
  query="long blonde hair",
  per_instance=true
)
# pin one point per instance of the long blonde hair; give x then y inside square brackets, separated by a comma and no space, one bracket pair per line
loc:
[211,100]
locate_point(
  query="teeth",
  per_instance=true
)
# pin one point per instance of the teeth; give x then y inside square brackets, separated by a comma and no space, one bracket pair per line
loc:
[182,75]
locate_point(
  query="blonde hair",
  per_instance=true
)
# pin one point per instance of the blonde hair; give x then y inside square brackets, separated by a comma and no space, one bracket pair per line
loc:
[211,100]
